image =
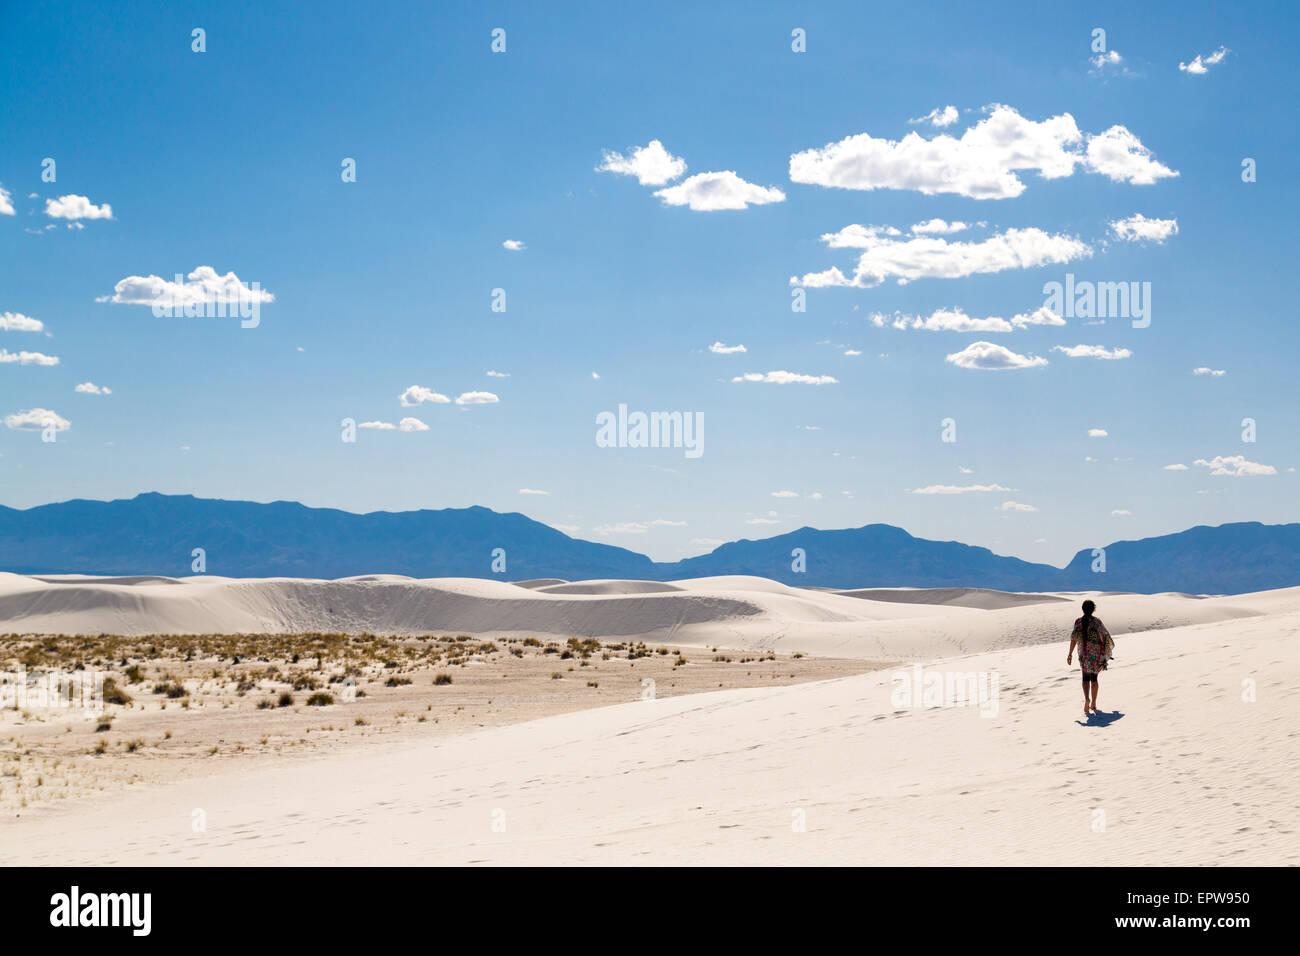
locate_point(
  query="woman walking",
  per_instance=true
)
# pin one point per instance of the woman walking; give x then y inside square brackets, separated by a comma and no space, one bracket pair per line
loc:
[1095,646]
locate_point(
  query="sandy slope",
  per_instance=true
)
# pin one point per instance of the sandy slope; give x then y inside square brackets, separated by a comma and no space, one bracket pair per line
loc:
[734,612]
[1185,771]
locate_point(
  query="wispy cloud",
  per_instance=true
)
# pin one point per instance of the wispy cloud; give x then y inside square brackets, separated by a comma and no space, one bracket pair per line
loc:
[786,378]
[1202,63]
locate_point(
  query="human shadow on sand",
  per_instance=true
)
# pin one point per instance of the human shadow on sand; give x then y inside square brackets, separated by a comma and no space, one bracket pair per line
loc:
[1100,719]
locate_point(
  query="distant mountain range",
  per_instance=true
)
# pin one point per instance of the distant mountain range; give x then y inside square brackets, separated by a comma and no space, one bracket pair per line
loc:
[157,534]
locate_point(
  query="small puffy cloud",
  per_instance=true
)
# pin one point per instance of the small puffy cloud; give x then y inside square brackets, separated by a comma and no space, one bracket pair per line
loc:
[27,358]
[200,286]
[986,355]
[476,398]
[785,494]
[1234,466]
[1092,351]
[17,322]
[933,257]
[532,491]
[717,348]
[90,388]
[937,226]
[1098,433]
[1014,506]
[595,376]
[983,163]
[1121,513]
[955,320]
[6,202]
[379,426]
[963,470]
[652,165]
[1201,64]
[492,373]
[957,489]
[1120,156]
[1110,58]
[940,116]
[1213,372]
[418,395]
[1141,229]
[786,378]
[710,192]
[35,419]
[514,245]
[412,425]
[76,207]
[852,352]
[1175,467]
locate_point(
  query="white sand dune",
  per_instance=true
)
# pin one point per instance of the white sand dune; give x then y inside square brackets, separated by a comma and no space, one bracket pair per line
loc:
[733,612]
[1184,771]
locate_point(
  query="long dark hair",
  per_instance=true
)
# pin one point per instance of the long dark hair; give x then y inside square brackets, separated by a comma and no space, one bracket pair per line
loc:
[1085,623]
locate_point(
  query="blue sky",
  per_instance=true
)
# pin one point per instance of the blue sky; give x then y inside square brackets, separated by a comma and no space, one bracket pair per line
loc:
[231,159]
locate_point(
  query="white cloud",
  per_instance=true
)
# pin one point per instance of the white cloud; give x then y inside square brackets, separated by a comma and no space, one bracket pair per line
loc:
[532,491]
[786,378]
[785,494]
[514,245]
[816,496]
[963,470]
[710,192]
[76,207]
[1120,155]
[200,286]
[412,425]
[381,426]
[1201,65]
[1014,506]
[569,529]
[90,388]
[922,257]
[955,320]
[476,398]
[1092,351]
[983,163]
[6,202]
[36,419]
[1175,468]
[939,116]
[1139,228]
[1235,466]
[17,322]
[652,165]
[1110,58]
[418,395]
[1098,433]
[719,349]
[627,527]
[986,355]
[27,358]
[852,352]
[957,489]
[666,523]
[763,521]
[933,226]
[1214,372]
[1121,512]
[595,376]
[492,373]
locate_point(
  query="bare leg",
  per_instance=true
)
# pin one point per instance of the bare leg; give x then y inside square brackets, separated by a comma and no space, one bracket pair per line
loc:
[1095,685]
[1086,705]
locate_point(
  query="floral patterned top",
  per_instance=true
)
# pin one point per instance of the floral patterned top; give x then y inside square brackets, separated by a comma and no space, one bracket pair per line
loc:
[1096,649]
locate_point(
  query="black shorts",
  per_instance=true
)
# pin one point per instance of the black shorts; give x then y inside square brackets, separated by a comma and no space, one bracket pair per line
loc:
[1089,678]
